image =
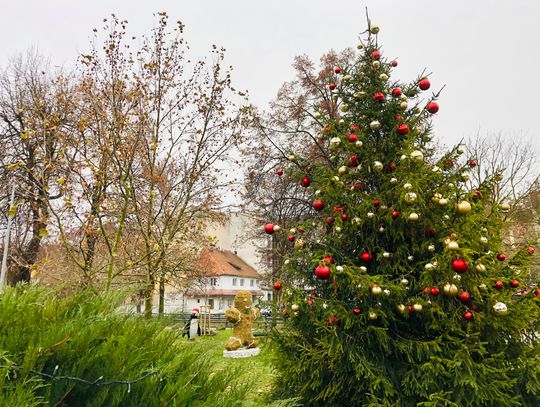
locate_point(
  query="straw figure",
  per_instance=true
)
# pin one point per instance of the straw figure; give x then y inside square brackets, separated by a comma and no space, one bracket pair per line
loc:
[242,316]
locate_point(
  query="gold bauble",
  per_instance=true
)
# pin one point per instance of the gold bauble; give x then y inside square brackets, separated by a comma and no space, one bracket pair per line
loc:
[463,207]
[450,290]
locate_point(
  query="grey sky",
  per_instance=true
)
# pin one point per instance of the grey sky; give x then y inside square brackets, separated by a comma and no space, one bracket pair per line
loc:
[487,52]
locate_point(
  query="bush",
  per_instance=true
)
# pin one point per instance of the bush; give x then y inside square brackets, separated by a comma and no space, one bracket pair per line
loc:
[86,336]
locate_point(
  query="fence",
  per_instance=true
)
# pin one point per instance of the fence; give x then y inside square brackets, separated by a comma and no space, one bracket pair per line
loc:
[218,321]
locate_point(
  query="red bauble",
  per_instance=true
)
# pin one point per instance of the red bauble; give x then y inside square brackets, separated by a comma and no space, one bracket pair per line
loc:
[467,315]
[398,117]
[318,205]
[393,63]
[396,92]
[477,195]
[424,84]
[378,97]
[344,216]
[499,285]
[530,250]
[299,229]
[327,128]
[279,172]
[464,296]
[390,167]
[430,232]
[330,220]
[473,308]
[332,86]
[537,292]
[291,238]
[313,295]
[357,311]
[337,208]
[306,182]
[403,129]
[376,203]
[309,302]
[473,163]
[322,272]
[459,265]
[353,161]
[514,283]
[337,69]
[448,163]
[435,291]
[357,185]
[278,286]
[366,257]
[395,214]
[355,127]
[353,138]
[269,228]
[328,259]
[501,257]
[375,54]
[432,107]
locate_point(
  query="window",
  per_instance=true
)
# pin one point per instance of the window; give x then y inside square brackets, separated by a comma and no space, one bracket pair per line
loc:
[251,283]
[213,281]
[198,300]
[234,281]
[269,297]
[211,303]
[241,282]
[229,302]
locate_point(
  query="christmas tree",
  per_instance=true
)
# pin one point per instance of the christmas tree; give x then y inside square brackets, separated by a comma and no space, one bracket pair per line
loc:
[398,291]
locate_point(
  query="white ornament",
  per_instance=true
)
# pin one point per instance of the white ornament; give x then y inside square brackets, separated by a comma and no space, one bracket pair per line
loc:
[480,267]
[375,64]
[339,268]
[334,141]
[357,220]
[483,239]
[404,281]
[436,198]
[443,201]
[500,308]
[413,216]
[403,97]
[386,291]
[318,192]
[376,290]
[410,258]
[505,207]
[401,308]
[465,176]
[336,178]
[295,307]
[374,29]
[387,255]
[410,197]
[287,261]
[464,207]
[436,169]
[292,157]
[375,125]
[431,248]
[292,231]
[378,165]
[417,307]
[460,149]
[417,156]
[277,228]
[403,157]
[429,266]
[452,246]
[393,180]
[325,305]
[341,121]
[381,229]
[482,286]
[446,217]
[383,77]
[342,170]
[359,143]
[457,277]
[370,215]
[338,228]
[407,186]
[363,268]
[317,115]
[404,105]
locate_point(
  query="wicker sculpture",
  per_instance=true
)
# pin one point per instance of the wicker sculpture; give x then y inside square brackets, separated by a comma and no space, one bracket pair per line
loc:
[242,316]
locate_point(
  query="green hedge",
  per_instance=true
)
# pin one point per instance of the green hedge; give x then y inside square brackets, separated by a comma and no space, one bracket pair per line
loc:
[86,336]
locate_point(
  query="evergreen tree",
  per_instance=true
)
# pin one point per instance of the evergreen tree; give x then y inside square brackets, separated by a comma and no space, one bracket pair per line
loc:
[399,294]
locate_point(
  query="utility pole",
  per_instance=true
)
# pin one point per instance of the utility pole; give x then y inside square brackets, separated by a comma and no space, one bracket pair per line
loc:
[11,216]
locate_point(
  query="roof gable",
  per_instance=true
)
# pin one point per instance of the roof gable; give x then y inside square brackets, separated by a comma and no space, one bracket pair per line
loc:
[214,262]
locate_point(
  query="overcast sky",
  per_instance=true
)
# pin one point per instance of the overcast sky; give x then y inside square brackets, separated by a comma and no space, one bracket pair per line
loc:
[486,52]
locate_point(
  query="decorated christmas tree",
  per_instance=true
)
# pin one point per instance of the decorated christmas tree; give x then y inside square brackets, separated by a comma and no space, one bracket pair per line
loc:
[398,291]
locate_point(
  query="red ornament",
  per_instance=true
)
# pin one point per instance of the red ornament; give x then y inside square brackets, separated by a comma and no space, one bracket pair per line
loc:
[353,161]
[537,292]
[357,311]
[477,195]
[393,63]
[395,214]
[366,257]
[396,92]
[357,185]
[269,228]
[322,272]
[403,129]
[332,86]
[353,138]
[330,220]
[530,250]
[306,182]
[467,315]
[424,84]
[378,97]
[328,259]
[337,69]
[344,216]
[279,172]
[459,265]
[313,295]
[473,163]
[375,54]
[376,203]
[278,286]
[355,127]
[432,107]
[310,302]
[464,296]
[448,163]
[398,117]
[435,291]
[337,208]
[390,167]
[327,128]
[501,257]
[499,285]
[318,205]
[299,229]
[291,238]
[514,283]
[473,308]
[430,232]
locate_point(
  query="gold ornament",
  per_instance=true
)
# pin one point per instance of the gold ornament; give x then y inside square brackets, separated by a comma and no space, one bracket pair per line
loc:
[298,244]
[295,307]
[417,307]
[413,216]
[342,170]
[376,290]
[372,315]
[500,308]
[417,156]
[450,290]
[410,197]
[463,207]
[452,246]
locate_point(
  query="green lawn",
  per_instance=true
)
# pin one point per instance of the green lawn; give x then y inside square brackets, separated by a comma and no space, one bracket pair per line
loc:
[255,370]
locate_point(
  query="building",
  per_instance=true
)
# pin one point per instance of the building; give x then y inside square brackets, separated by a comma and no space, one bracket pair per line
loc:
[218,276]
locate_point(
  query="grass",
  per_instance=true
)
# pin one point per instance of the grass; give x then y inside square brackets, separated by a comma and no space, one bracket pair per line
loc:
[256,371]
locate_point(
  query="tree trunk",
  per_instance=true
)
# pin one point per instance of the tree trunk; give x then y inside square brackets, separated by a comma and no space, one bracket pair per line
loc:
[148,296]
[161,306]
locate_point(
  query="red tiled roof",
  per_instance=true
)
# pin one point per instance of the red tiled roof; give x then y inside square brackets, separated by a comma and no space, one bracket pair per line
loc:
[216,262]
